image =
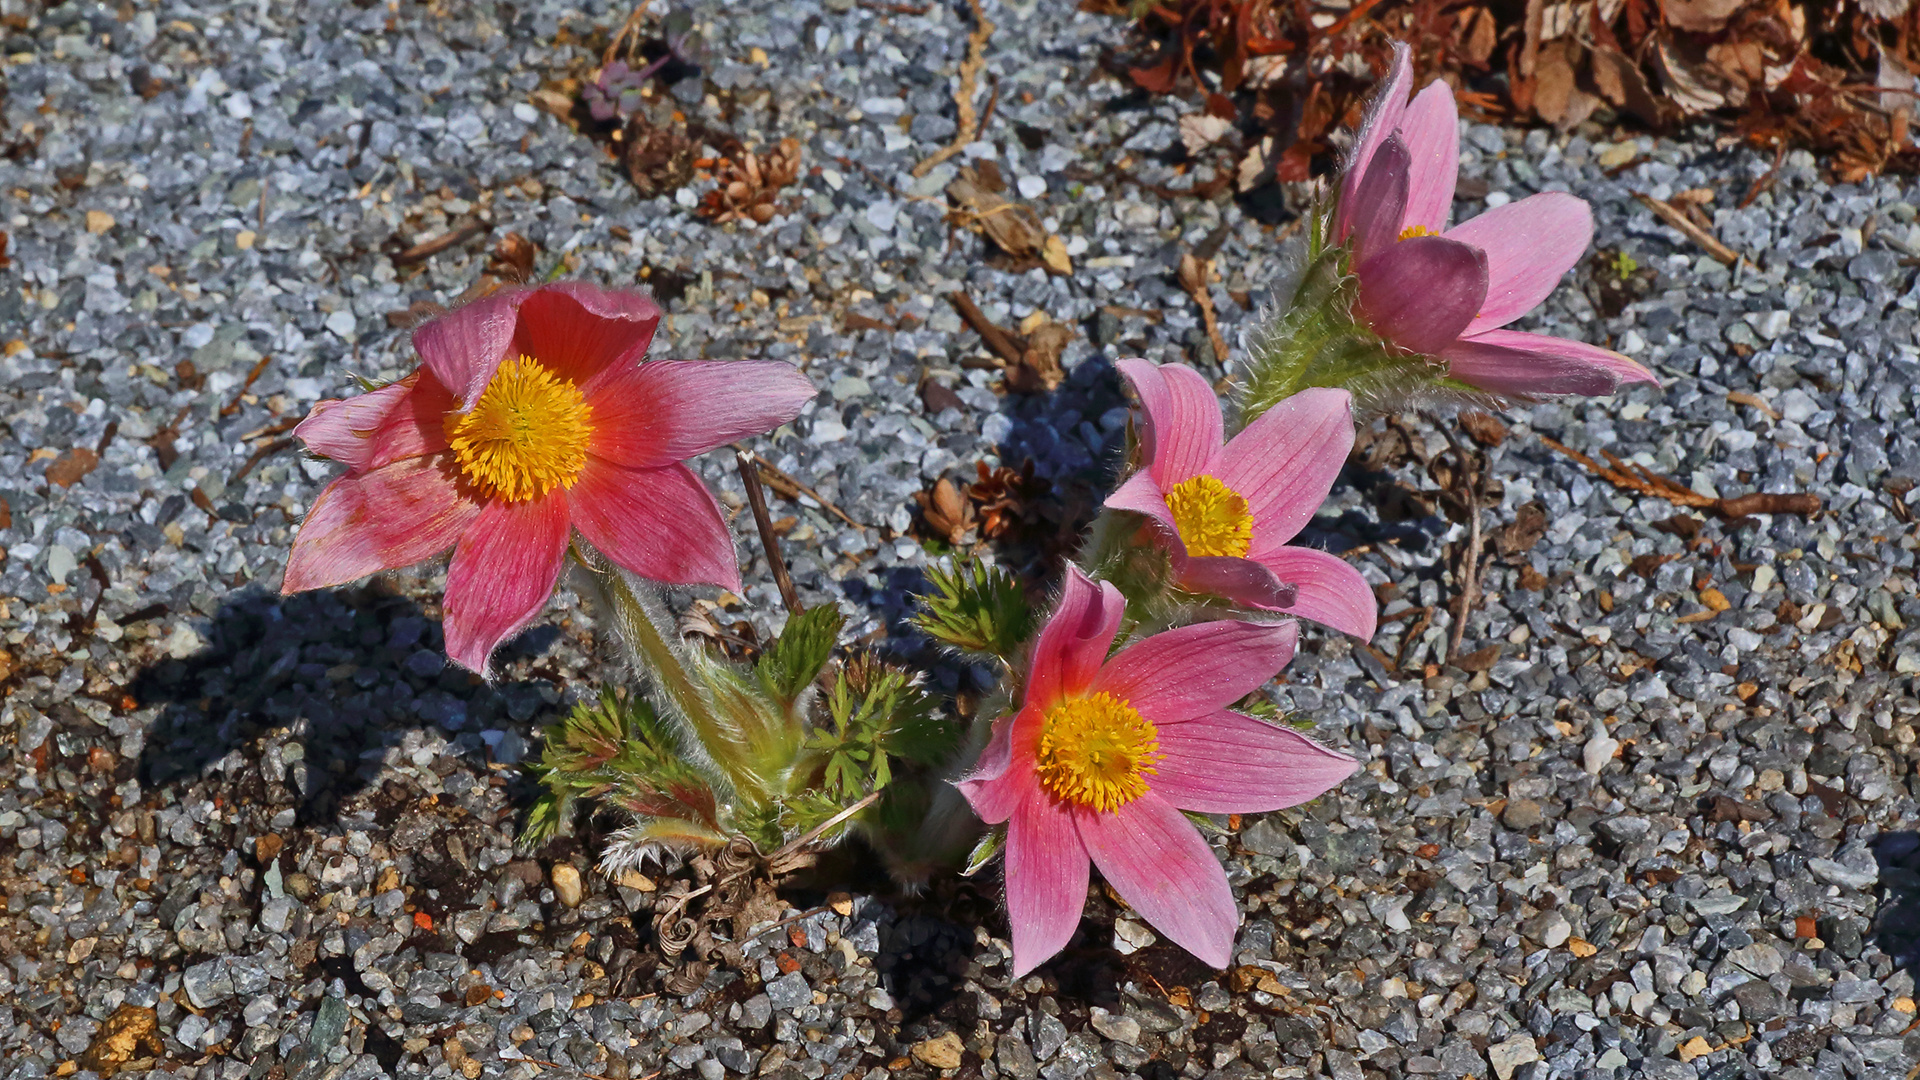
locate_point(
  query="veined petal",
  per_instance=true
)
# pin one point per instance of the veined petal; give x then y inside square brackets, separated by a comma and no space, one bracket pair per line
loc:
[1142,496]
[1383,119]
[1047,874]
[1530,245]
[503,571]
[1194,670]
[344,429]
[1075,640]
[577,329]
[464,347]
[1155,859]
[1329,590]
[669,410]
[1003,776]
[1431,129]
[1380,203]
[382,519]
[1226,763]
[1181,430]
[418,426]
[1422,292]
[1537,365]
[1285,462]
[1243,581]
[659,523]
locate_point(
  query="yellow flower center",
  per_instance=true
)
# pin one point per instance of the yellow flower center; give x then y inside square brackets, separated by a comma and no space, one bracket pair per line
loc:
[1412,231]
[1097,752]
[1212,518]
[527,436]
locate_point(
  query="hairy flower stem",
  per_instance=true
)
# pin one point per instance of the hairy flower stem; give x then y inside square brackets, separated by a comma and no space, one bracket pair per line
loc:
[639,626]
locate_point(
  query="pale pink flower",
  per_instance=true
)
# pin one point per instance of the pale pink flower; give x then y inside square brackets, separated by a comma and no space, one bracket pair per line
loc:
[1448,292]
[1104,754]
[530,417]
[1227,512]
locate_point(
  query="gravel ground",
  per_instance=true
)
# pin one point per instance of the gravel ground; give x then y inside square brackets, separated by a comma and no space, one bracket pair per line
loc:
[1653,826]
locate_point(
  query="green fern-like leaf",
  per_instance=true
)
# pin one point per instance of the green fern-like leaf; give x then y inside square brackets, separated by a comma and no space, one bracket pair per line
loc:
[975,608]
[622,750]
[794,660]
[877,715]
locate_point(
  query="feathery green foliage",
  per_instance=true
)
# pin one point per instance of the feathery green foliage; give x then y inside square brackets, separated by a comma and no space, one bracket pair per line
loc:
[794,660]
[976,608]
[612,746]
[877,714]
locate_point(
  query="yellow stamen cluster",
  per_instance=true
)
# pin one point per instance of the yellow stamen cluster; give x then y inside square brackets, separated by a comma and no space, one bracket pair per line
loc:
[1213,519]
[1412,231]
[528,435]
[1097,752]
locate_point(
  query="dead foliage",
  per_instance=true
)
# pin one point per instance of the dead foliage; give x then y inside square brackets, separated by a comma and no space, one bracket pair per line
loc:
[1831,76]
[1640,479]
[1014,228]
[1031,358]
[750,183]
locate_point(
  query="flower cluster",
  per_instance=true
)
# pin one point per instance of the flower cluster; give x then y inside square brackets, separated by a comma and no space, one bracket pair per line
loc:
[535,431]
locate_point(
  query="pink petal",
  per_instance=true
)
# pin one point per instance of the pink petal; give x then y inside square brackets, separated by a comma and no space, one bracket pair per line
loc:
[1422,292]
[1155,859]
[1383,118]
[1226,763]
[1242,581]
[503,571]
[1191,671]
[1331,591]
[1075,640]
[659,523]
[1181,432]
[1530,244]
[577,329]
[1380,203]
[1047,874]
[344,430]
[995,787]
[384,519]
[1431,128]
[1142,496]
[1537,365]
[464,347]
[670,410]
[1286,461]
[418,426]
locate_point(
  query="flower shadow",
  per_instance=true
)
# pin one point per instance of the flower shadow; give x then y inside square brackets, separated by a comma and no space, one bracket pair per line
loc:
[350,672]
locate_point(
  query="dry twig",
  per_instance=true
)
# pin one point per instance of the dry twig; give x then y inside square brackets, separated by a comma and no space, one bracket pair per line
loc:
[970,121]
[427,249]
[1194,275]
[1469,574]
[757,499]
[1641,479]
[1677,218]
[790,488]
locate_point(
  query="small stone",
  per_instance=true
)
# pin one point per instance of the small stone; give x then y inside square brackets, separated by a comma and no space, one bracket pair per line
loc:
[1507,1056]
[566,884]
[1693,1048]
[1581,948]
[1521,814]
[207,984]
[1759,1002]
[1598,752]
[756,1011]
[1549,928]
[99,221]
[1131,935]
[789,991]
[1834,873]
[1119,1028]
[941,1053]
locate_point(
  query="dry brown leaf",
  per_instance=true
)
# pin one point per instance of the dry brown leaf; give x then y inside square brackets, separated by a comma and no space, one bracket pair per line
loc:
[1622,83]
[1553,84]
[1012,227]
[73,466]
[1039,369]
[1687,85]
[1700,16]
[659,157]
[1479,34]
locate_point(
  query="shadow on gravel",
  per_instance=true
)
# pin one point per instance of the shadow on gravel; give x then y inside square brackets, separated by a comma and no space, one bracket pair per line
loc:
[351,669]
[1896,928]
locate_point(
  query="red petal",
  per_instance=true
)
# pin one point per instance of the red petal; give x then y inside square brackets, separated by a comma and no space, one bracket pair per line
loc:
[659,523]
[576,329]
[384,519]
[503,571]
[669,410]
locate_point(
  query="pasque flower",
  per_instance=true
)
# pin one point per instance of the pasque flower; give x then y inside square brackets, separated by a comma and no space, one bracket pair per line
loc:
[532,417]
[1449,292]
[1105,754]
[1227,512]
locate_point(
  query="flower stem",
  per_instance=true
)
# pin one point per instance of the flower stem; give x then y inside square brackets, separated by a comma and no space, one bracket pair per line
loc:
[640,628]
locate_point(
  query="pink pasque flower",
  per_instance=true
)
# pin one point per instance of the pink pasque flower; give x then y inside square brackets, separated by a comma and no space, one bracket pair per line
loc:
[532,416]
[1227,512]
[1104,754]
[1448,292]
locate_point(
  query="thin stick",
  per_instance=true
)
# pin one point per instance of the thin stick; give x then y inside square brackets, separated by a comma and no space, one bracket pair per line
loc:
[757,499]
[427,249]
[817,831]
[969,127]
[997,338]
[1470,572]
[791,488]
[1673,216]
[626,28]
